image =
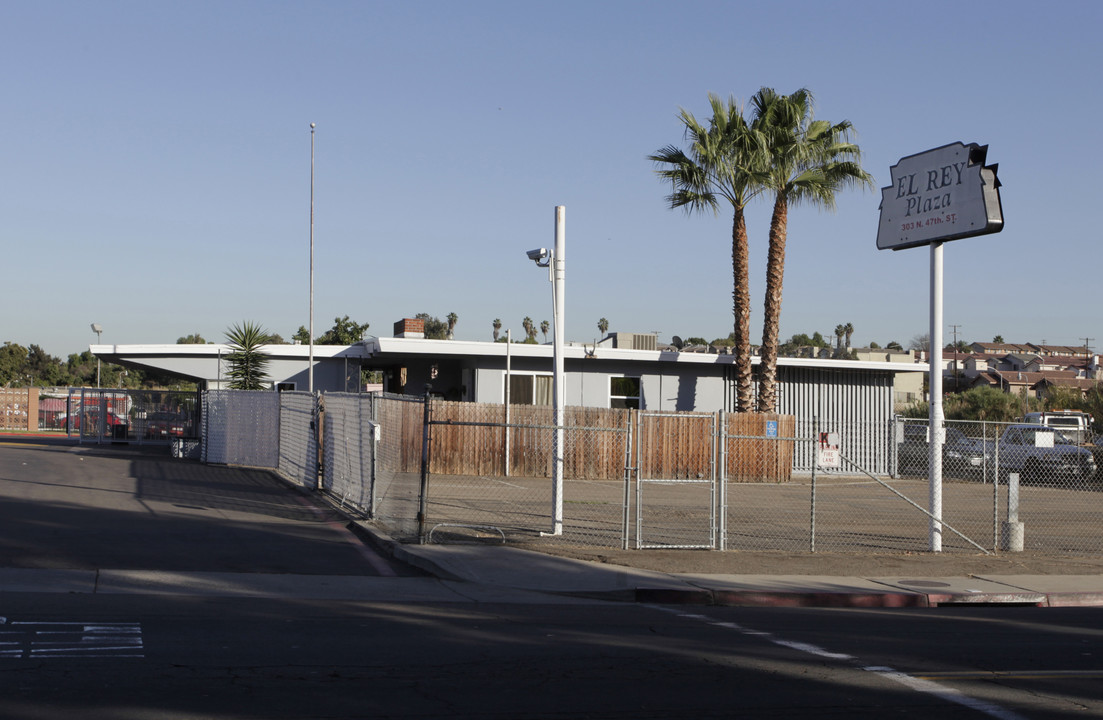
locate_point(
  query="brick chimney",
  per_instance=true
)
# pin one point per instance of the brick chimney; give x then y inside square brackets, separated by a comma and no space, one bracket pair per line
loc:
[409,328]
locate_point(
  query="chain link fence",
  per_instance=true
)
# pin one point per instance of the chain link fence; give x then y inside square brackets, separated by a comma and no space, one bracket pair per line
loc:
[1012,483]
[437,471]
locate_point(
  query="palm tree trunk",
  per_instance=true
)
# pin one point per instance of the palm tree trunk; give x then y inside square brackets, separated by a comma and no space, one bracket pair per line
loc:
[775,270]
[741,299]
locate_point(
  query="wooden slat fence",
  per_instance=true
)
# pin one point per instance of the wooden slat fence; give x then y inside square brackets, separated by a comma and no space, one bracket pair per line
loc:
[754,457]
[469,439]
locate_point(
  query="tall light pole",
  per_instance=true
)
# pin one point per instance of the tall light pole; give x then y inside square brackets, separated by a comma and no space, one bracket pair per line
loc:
[98,329]
[556,262]
[310,329]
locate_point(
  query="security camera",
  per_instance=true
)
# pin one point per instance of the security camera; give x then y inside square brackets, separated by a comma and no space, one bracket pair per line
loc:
[539,254]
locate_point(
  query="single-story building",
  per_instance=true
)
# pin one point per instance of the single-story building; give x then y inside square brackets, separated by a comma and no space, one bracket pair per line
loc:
[596,375]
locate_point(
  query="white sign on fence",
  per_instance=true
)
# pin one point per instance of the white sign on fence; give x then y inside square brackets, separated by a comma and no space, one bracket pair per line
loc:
[829,455]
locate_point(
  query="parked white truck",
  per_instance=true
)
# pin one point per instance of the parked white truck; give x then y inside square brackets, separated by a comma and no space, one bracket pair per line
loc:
[1073,424]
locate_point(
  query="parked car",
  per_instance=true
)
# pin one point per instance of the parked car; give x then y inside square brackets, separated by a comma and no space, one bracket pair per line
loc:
[1044,456]
[962,456]
[91,416]
[165,425]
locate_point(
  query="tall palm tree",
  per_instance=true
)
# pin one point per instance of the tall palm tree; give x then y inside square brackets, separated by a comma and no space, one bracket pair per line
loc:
[810,162]
[530,329]
[840,330]
[544,326]
[849,330]
[721,164]
[453,318]
[603,326]
[247,364]
[497,328]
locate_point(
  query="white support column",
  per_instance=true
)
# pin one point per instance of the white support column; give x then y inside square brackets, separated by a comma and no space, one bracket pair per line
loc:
[559,389]
[937,430]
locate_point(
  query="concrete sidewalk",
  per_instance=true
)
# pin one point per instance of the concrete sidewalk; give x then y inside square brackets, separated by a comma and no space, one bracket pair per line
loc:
[519,569]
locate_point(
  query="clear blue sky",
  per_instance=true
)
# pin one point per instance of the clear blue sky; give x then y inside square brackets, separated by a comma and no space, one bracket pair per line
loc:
[155,174]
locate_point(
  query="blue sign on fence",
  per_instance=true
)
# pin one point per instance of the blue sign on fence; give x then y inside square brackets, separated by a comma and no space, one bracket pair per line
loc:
[771,428]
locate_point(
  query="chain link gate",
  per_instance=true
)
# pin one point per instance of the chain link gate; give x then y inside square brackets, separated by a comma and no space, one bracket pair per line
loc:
[676,481]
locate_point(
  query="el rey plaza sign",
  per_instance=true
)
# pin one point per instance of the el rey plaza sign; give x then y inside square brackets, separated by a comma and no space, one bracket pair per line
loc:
[942,194]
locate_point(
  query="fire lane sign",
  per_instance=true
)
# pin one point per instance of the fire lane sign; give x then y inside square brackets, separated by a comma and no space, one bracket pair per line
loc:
[942,194]
[828,455]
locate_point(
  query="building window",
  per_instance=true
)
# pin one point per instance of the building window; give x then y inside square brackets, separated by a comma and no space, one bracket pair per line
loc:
[530,389]
[624,392]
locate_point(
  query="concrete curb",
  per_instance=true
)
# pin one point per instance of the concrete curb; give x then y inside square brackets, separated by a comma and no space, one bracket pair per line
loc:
[697,591]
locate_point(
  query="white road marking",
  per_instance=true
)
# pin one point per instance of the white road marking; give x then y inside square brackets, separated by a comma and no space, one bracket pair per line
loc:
[71,639]
[917,684]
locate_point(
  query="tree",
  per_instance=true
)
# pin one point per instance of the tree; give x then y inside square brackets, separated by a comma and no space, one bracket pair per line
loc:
[893,345]
[840,330]
[719,166]
[849,330]
[343,332]
[193,339]
[544,327]
[248,365]
[998,339]
[453,318]
[920,342]
[497,328]
[435,328]
[602,326]
[530,329]
[13,358]
[810,161]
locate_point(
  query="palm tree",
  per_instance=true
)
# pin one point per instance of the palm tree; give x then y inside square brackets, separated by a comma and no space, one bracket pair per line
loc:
[248,365]
[721,164]
[603,326]
[497,328]
[453,318]
[810,161]
[840,330]
[544,325]
[530,329]
[849,330]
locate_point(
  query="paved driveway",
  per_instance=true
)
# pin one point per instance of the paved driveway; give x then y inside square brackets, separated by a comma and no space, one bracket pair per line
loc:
[74,507]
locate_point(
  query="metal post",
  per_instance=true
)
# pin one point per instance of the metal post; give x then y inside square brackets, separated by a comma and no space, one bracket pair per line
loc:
[937,432]
[310,329]
[423,494]
[815,464]
[509,346]
[722,476]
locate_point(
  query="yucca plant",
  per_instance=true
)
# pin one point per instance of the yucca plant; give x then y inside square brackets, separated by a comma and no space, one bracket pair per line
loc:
[248,365]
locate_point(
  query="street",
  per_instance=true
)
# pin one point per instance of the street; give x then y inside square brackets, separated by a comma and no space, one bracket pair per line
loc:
[138,587]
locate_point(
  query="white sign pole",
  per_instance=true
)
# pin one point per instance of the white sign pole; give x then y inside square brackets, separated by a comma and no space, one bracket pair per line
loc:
[559,387]
[936,417]
[943,194]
